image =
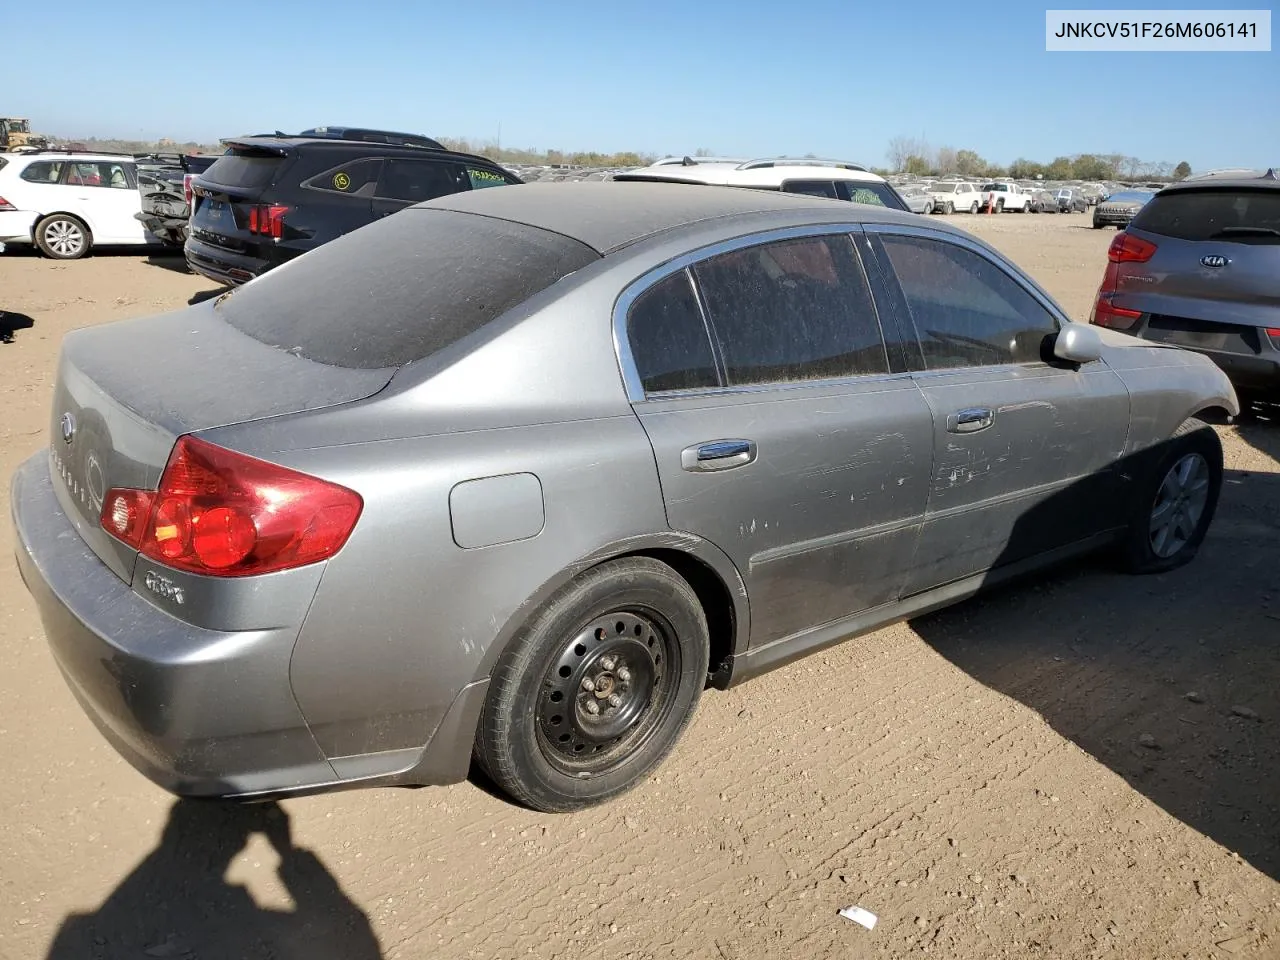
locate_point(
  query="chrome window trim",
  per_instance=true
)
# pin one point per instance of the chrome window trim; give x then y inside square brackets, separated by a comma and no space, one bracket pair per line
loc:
[640,285]
[999,262]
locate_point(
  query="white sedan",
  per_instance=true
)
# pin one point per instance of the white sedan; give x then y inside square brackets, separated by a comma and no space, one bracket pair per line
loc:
[65,203]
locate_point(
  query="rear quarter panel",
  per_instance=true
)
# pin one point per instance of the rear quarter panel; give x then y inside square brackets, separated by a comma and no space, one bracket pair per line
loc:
[404,616]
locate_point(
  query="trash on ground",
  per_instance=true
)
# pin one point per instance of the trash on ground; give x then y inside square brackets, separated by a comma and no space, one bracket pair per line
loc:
[858,915]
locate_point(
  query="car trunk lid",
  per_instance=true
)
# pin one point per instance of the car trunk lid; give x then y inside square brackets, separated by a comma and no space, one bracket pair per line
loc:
[126,391]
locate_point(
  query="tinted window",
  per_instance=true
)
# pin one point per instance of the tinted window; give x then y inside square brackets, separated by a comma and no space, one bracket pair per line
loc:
[812,188]
[401,288]
[247,169]
[45,171]
[1242,216]
[481,178]
[669,342]
[872,193]
[413,181]
[792,310]
[358,178]
[968,311]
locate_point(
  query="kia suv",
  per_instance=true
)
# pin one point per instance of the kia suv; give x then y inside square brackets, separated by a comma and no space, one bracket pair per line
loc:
[271,198]
[1197,268]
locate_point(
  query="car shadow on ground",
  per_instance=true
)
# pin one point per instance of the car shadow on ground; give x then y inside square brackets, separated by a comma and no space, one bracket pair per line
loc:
[176,902]
[204,295]
[167,258]
[1170,680]
[11,322]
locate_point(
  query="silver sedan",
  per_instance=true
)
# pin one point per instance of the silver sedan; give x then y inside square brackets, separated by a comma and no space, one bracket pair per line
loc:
[516,474]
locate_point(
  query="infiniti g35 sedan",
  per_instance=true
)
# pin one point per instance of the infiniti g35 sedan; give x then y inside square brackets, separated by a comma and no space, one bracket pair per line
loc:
[515,475]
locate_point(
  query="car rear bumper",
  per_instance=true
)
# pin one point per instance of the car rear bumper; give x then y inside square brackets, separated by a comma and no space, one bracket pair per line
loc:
[16,226]
[1112,219]
[1253,365]
[226,266]
[199,712]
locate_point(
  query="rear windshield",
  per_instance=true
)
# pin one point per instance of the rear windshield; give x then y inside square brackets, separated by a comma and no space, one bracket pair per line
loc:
[1129,196]
[249,169]
[402,288]
[1241,215]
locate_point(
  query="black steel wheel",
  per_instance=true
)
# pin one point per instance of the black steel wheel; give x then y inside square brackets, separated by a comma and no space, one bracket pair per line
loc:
[607,692]
[593,694]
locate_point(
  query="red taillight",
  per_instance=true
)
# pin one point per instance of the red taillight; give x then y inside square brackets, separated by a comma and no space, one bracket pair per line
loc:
[1107,314]
[1274,334]
[186,186]
[267,219]
[222,513]
[6,205]
[1126,248]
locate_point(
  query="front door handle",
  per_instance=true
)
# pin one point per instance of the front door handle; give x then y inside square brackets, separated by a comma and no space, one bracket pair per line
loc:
[971,420]
[717,455]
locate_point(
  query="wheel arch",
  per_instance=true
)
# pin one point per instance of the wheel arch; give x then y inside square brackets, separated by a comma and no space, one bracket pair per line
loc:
[79,217]
[708,571]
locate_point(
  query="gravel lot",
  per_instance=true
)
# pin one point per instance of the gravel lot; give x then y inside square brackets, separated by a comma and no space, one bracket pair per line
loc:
[1025,775]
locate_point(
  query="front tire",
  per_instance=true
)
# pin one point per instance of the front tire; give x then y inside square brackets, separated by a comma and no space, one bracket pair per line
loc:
[596,690]
[63,237]
[974,207]
[1176,500]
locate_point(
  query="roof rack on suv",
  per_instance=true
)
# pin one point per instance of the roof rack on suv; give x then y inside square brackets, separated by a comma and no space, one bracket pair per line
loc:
[800,162]
[693,161]
[374,136]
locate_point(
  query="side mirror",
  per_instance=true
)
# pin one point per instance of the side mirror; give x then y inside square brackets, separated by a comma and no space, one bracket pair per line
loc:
[1077,343]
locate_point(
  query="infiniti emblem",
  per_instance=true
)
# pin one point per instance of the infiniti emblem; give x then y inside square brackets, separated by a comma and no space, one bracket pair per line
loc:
[68,427]
[1214,261]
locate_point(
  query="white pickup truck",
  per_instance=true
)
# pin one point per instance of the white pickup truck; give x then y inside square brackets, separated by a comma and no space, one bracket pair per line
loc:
[1005,197]
[950,196]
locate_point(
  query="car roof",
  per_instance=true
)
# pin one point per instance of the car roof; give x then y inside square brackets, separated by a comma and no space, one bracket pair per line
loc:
[1233,179]
[730,174]
[32,155]
[607,216]
[364,146]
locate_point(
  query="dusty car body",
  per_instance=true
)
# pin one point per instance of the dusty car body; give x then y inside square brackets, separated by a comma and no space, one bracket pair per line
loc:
[497,474]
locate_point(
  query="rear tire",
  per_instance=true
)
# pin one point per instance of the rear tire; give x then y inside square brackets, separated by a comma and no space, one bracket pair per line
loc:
[948,208]
[596,690]
[1175,500]
[63,237]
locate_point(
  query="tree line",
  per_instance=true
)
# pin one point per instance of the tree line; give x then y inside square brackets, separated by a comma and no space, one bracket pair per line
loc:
[914,156]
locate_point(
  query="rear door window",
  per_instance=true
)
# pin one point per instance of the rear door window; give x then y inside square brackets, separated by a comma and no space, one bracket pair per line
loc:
[670,345]
[413,181]
[792,310]
[968,312]
[1239,216]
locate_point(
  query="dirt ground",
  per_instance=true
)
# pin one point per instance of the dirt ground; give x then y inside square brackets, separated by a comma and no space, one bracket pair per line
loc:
[977,778]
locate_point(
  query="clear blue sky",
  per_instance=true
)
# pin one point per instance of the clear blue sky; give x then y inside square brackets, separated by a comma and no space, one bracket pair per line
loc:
[740,78]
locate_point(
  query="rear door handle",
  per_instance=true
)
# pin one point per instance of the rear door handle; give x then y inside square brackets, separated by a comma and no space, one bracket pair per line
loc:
[717,455]
[971,420]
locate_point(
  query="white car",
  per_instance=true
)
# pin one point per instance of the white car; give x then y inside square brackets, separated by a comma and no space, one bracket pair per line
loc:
[833,179]
[65,203]
[952,195]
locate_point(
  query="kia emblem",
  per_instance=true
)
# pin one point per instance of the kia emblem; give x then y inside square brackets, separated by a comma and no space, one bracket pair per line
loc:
[68,427]
[1214,261]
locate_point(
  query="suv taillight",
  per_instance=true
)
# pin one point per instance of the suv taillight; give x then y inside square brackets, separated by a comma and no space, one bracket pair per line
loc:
[186,186]
[6,205]
[1274,334]
[267,220]
[221,513]
[1126,248]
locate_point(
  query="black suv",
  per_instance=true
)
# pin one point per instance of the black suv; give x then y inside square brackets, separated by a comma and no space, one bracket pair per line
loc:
[270,198]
